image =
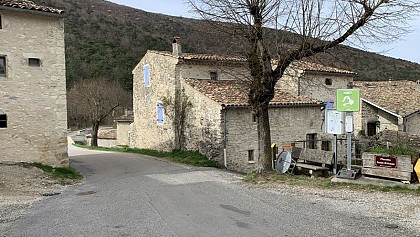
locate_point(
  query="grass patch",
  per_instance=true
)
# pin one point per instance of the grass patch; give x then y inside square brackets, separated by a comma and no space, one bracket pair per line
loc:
[65,175]
[399,149]
[193,158]
[320,182]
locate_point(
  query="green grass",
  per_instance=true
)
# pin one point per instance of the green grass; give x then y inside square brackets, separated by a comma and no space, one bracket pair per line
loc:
[193,158]
[397,150]
[320,182]
[65,175]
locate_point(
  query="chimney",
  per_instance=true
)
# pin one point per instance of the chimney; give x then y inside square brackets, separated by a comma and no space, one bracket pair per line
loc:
[418,85]
[176,46]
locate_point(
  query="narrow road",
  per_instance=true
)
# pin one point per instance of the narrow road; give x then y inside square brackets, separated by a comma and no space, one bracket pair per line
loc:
[135,195]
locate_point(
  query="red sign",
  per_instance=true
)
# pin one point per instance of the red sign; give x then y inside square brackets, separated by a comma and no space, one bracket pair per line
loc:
[386,161]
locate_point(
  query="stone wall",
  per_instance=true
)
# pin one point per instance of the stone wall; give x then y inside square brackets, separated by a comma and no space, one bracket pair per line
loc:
[287,125]
[412,124]
[370,113]
[33,97]
[124,129]
[313,85]
[202,71]
[203,125]
[147,133]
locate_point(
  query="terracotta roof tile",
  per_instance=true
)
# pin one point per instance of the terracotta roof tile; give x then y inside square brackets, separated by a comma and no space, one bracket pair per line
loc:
[304,65]
[29,5]
[315,67]
[235,93]
[400,97]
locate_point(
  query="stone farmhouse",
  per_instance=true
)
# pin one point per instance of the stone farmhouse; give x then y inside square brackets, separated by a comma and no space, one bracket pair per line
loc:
[218,119]
[388,105]
[33,120]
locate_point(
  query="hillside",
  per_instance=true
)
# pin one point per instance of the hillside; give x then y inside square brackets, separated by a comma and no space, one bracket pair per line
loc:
[107,40]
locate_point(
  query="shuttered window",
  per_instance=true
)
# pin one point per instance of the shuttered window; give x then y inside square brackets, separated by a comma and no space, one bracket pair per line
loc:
[160,110]
[146,72]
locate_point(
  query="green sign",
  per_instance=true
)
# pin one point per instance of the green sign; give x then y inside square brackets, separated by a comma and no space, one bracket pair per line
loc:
[348,100]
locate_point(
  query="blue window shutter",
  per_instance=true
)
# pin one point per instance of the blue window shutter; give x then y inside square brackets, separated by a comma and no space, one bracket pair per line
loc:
[146,75]
[160,113]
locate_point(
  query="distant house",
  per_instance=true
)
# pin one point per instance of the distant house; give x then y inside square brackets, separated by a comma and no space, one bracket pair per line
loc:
[388,105]
[33,117]
[219,121]
[124,128]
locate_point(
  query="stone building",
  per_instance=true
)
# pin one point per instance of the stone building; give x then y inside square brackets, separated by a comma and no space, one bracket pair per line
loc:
[388,105]
[315,80]
[218,119]
[33,119]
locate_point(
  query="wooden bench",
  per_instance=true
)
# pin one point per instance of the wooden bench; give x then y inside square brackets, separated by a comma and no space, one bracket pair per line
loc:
[313,160]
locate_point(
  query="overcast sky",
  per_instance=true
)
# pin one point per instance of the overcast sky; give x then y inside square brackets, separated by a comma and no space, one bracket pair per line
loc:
[408,48]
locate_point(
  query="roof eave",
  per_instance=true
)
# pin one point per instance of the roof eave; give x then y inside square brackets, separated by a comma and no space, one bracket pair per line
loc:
[381,108]
[36,12]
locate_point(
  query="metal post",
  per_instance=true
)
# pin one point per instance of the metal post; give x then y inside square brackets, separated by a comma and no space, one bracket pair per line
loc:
[349,151]
[335,154]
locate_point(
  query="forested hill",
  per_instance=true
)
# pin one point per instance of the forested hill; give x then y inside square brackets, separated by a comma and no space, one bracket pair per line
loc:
[107,40]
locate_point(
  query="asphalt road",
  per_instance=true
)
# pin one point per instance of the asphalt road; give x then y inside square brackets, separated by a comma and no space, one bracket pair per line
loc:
[134,195]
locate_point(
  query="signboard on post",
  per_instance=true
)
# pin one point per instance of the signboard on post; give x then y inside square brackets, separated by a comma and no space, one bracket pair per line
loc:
[334,121]
[348,100]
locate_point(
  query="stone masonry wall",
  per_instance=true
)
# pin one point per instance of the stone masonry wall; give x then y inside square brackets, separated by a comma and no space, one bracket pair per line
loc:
[287,125]
[412,124]
[203,125]
[313,85]
[33,98]
[147,133]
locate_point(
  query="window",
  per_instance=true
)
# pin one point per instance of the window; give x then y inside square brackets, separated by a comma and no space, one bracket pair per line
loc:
[1,25]
[311,141]
[250,156]
[254,118]
[328,81]
[3,121]
[34,62]
[160,111]
[2,65]
[326,146]
[213,75]
[371,129]
[146,72]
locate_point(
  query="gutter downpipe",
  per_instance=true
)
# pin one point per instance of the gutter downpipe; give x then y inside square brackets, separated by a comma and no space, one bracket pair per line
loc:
[224,108]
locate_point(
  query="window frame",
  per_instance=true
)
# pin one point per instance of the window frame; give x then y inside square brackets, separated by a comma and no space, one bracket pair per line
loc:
[214,76]
[328,81]
[4,59]
[146,75]
[160,110]
[3,120]
[32,60]
[251,156]
[311,141]
[1,23]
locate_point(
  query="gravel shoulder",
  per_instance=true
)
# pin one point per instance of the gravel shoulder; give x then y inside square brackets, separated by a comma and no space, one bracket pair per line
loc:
[20,187]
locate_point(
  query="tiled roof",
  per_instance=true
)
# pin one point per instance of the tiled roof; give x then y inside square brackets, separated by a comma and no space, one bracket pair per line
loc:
[235,93]
[304,65]
[400,97]
[315,67]
[29,5]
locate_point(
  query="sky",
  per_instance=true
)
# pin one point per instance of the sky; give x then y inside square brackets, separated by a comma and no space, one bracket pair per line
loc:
[407,48]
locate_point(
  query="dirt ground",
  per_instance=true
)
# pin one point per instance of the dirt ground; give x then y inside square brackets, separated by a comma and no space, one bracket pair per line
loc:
[20,187]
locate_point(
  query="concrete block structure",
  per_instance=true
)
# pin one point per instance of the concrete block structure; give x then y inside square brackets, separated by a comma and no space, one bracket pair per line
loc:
[33,114]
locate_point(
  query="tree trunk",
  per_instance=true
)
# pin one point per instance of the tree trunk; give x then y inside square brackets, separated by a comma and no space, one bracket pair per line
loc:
[94,141]
[264,140]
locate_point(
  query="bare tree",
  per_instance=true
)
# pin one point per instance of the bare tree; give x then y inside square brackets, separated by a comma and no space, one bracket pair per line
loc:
[319,24]
[93,100]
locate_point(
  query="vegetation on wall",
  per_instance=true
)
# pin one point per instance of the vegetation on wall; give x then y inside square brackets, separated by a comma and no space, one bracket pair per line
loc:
[177,108]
